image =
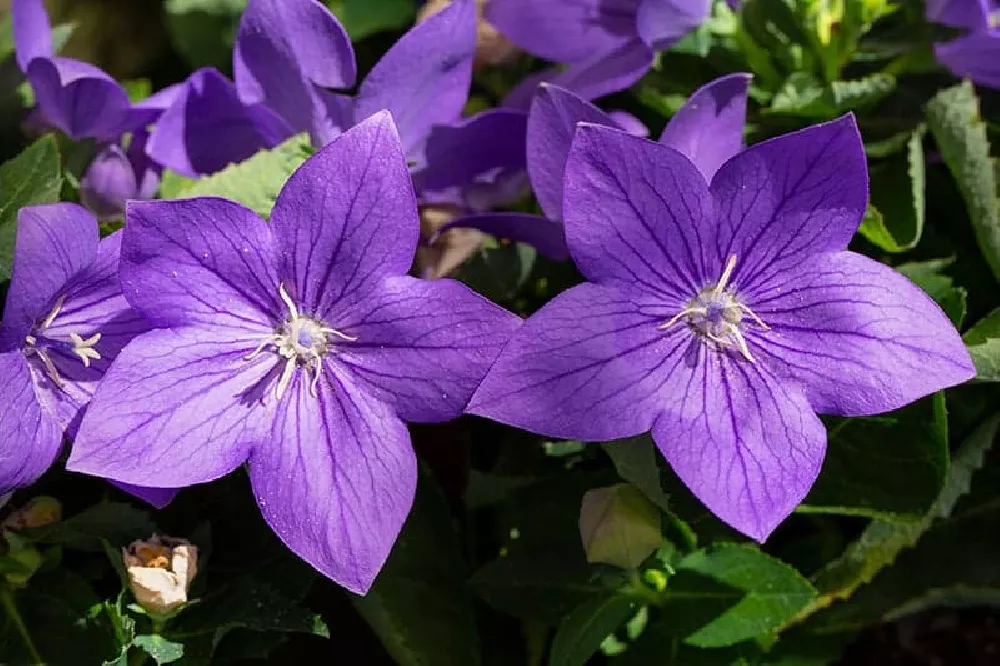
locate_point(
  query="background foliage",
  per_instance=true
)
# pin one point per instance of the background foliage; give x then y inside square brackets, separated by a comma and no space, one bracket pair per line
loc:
[491,568]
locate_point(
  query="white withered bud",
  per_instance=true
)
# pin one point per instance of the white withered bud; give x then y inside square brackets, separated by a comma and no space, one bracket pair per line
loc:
[160,571]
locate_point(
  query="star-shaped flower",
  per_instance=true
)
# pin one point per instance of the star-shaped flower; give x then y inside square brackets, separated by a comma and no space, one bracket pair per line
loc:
[722,317]
[298,347]
[64,322]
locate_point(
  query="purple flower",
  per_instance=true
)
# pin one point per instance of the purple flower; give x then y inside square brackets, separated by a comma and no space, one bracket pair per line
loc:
[290,58]
[708,130]
[722,316]
[64,322]
[298,347]
[606,45]
[977,53]
[77,98]
[117,175]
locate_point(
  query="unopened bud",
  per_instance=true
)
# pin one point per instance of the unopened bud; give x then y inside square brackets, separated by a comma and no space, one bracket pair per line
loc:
[619,526]
[160,571]
[38,512]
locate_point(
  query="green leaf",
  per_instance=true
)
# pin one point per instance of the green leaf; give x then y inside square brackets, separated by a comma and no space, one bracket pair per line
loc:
[256,181]
[585,628]
[804,95]
[890,467]
[897,186]
[954,120]
[33,177]
[542,573]
[203,31]
[117,523]
[635,460]
[882,541]
[928,276]
[248,603]
[983,341]
[420,607]
[162,651]
[362,18]
[743,592]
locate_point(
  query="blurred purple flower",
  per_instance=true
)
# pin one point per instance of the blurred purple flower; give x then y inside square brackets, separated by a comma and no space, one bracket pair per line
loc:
[605,45]
[722,316]
[976,54]
[290,58]
[298,347]
[74,97]
[117,175]
[64,322]
[708,130]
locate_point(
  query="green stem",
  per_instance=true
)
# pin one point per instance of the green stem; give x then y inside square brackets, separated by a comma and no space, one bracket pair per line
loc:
[641,591]
[7,601]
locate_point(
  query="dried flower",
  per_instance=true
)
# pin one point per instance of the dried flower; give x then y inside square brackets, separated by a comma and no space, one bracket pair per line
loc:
[160,571]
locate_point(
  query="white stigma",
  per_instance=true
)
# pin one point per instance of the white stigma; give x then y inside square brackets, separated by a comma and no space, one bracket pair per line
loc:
[717,315]
[301,342]
[39,343]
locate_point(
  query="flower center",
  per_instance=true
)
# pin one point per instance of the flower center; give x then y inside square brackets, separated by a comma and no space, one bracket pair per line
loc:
[718,316]
[301,341]
[39,343]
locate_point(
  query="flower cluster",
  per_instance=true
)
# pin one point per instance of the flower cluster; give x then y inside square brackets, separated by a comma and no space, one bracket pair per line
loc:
[721,308]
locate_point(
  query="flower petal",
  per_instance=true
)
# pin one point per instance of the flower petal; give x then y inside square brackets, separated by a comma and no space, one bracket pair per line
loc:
[860,337]
[552,123]
[708,129]
[32,32]
[423,346]
[746,444]
[424,78]
[485,147]
[178,407]
[629,123]
[81,100]
[207,127]
[607,72]
[54,242]
[344,234]
[590,365]
[781,201]
[284,50]
[336,480]
[637,214]
[158,498]
[974,56]
[564,30]
[970,14]
[92,304]
[539,232]
[29,439]
[205,261]
[662,22]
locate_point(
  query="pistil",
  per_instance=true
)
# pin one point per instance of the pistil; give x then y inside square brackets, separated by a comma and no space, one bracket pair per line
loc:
[717,314]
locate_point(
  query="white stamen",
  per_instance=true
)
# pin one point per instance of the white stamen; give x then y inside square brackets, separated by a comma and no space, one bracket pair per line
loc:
[288,301]
[301,342]
[50,367]
[55,312]
[717,315]
[726,274]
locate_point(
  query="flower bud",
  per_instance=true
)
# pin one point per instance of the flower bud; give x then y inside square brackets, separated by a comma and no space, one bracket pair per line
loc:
[450,249]
[160,571]
[38,512]
[619,526]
